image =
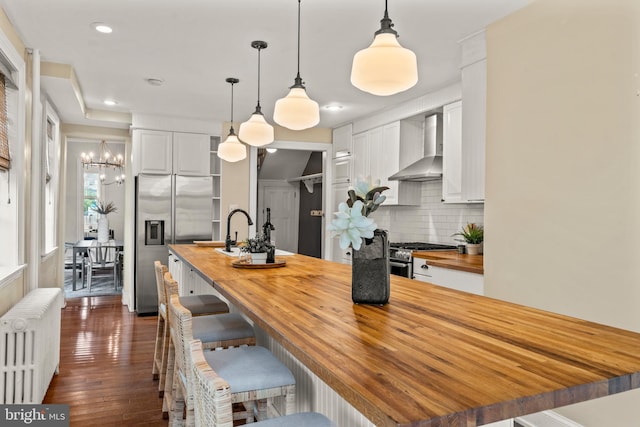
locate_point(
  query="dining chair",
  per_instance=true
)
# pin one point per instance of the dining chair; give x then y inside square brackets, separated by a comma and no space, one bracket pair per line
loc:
[68,258]
[213,398]
[102,258]
[199,305]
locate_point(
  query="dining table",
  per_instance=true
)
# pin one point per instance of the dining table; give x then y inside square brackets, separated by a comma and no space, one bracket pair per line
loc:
[81,246]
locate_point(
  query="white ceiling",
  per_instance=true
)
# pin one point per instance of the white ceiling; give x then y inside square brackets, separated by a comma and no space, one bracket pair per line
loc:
[193,45]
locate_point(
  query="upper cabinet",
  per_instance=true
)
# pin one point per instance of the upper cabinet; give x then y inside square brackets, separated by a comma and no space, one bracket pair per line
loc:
[474,101]
[377,153]
[474,105]
[465,128]
[163,152]
[191,154]
[452,153]
[342,141]
[153,151]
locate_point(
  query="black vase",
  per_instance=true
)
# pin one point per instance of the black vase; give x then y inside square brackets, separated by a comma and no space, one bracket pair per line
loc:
[370,271]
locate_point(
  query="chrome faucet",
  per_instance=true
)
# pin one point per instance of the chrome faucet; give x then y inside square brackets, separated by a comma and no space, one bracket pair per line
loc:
[227,241]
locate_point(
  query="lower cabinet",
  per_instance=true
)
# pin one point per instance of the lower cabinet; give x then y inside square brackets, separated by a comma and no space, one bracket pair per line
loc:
[189,281]
[454,279]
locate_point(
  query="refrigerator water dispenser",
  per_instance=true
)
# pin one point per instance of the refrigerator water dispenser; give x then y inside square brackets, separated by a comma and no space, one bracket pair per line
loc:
[154,232]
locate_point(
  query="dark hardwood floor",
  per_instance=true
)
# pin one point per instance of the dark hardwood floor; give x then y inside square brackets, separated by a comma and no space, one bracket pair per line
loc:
[106,354]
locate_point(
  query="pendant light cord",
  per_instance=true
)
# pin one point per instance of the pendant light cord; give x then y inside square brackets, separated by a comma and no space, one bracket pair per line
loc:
[258,107]
[231,130]
[299,1]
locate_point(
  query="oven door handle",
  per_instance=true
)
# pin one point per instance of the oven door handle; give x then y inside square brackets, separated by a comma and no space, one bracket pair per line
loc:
[399,264]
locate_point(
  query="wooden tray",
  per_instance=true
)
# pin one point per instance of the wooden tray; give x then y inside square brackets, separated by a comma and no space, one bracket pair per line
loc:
[243,264]
[209,243]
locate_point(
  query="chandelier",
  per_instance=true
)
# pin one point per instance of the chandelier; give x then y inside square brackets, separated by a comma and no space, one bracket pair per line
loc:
[104,161]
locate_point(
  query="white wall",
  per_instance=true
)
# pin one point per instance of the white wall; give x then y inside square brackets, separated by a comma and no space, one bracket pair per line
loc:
[432,221]
[563,169]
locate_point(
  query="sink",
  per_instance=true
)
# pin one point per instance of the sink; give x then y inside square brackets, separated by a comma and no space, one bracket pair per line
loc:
[235,251]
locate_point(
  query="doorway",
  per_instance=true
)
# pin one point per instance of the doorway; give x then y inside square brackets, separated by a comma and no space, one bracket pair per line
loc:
[279,184]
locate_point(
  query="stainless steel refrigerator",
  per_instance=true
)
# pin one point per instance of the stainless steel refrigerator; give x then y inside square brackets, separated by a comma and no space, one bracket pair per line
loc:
[170,209]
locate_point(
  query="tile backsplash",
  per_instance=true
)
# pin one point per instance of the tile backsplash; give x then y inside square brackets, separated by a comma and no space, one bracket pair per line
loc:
[432,221]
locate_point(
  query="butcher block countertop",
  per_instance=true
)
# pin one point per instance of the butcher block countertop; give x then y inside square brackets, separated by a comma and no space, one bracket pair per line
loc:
[431,357]
[453,260]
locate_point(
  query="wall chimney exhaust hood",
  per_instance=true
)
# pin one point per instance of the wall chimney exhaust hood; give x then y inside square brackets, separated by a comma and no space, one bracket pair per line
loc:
[429,167]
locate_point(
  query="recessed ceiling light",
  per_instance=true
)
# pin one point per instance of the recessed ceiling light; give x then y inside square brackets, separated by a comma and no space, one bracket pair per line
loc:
[333,107]
[102,27]
[271,150]
[109,102]
[154,81]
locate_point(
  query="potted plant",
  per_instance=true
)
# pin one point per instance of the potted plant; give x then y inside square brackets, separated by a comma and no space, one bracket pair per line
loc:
[258,247]
[473,235]
[103,209]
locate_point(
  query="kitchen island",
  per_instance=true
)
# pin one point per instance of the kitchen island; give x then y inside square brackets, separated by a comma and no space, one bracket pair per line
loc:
[432,356]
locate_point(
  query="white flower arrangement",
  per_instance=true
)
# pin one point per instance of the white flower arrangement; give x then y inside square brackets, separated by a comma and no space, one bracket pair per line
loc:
[352,223]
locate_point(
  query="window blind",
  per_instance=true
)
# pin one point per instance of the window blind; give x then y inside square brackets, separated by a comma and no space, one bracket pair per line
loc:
[5,159]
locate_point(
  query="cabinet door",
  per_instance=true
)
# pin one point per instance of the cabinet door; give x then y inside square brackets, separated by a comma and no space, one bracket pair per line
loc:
[191,154]
[339,195]
[154,151]
[360,156]
[386,152]
[474,95]
[342,170]
[342,141]
[453,279]
[452,152]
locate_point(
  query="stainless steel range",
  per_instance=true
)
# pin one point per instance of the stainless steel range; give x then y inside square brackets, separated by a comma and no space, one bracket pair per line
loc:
[401,255]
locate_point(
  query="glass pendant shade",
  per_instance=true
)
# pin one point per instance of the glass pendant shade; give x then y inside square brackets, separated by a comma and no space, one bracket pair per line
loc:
[256,131]
[232,150]
[297,111]
[384,68]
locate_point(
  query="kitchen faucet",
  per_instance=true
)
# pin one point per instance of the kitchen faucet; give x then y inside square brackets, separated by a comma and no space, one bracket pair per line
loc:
[227,240]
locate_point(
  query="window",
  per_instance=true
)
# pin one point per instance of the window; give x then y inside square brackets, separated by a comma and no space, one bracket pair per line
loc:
[50,178]
[91,192]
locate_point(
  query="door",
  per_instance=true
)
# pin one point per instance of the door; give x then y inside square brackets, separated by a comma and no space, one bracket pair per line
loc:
[193,208]
[282,199]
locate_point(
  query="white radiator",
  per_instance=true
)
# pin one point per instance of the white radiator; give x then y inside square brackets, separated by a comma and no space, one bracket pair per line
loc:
[30,346]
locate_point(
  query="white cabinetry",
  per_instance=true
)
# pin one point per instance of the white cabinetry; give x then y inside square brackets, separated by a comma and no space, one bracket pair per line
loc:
[339,195]
[342,149]
[454,279]
[153,151]
[342,141]
[474,96]
[161,152]
[189,281]
[190,154]
[474,105]
[452,153]
[376,153]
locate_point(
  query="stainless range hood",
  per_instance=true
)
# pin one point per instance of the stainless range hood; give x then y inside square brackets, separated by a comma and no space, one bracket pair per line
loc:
[429,167]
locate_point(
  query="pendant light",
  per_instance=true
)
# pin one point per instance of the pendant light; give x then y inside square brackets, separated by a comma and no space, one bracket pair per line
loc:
[385,67]
[297,111]
[256,131]
[232,150]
